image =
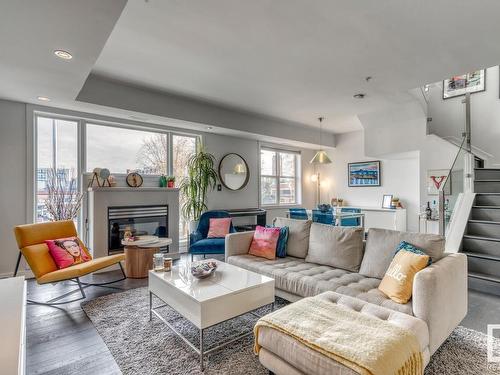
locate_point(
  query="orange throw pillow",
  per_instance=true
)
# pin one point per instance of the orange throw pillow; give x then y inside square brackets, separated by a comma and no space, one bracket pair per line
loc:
[218,228]
[397,283]
[67,251]
[264,242]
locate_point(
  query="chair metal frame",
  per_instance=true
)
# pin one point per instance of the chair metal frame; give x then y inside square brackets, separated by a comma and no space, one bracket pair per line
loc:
[81,286]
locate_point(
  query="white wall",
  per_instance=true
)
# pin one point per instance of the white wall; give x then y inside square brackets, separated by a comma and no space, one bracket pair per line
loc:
[400,177]
[448,117]
[13,185]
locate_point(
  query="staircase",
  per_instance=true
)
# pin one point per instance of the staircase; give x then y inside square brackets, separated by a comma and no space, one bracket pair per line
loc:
[481,243]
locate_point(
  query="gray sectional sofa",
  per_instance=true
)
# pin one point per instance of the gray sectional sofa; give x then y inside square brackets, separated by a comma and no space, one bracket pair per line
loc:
[323,258]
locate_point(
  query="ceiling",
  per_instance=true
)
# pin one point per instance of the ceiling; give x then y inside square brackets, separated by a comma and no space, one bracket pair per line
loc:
[287,59]
[299,59]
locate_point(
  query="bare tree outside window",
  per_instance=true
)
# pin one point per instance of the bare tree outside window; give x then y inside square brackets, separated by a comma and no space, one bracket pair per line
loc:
[153,154]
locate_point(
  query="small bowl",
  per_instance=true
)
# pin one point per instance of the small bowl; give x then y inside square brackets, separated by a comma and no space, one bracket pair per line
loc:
[203,269]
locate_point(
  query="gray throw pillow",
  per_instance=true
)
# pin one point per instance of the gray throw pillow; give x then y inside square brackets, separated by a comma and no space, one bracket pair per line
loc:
[339,247]
[381,245]
[298,235]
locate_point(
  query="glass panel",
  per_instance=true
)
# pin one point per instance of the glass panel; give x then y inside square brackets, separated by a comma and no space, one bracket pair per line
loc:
[268,188]
[57,151]
[287,190]
[287,164]
[267,162]
[182,148]
[125,150]
[454,185]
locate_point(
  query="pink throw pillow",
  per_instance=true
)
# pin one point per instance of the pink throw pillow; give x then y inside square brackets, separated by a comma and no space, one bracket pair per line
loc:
[264,242]
[67,252]
[219,227]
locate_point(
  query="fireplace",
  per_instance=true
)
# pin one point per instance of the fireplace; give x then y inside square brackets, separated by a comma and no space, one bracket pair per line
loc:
[141,220]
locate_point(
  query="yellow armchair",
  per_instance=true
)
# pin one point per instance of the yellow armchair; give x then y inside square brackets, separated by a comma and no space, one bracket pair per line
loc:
[31,242]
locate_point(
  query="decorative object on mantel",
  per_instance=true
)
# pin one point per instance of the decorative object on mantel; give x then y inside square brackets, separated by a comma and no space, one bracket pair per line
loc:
[112,181]
[194,187]
[170,182]
[134,179]
[163,181]
[98,175]
[364,173]
[63,199]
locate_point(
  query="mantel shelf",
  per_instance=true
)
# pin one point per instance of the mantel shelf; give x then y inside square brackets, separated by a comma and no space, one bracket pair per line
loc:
[127,189]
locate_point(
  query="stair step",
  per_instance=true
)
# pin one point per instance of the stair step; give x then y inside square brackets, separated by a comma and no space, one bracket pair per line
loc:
[487,186]
[482,256]
[486,174]
[477,275]
[481,245]
[484,228]
[486,213]
[484,265]
[487,199]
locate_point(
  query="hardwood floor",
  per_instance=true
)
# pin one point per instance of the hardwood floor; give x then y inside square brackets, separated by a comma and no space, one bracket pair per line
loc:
[64,341]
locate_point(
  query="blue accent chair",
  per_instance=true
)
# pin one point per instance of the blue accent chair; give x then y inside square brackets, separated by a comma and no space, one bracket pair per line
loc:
[323,217]
[199,244]
[298,213]
[351,221]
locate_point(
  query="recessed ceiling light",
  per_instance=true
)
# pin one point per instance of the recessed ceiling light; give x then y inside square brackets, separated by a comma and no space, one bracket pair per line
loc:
[43,99]
[359,96]
[209,128]
[65,55]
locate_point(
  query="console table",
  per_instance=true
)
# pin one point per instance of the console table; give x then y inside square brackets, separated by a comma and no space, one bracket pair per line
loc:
[259,214]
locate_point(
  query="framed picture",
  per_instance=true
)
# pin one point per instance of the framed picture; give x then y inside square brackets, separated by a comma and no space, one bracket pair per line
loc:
[462,84]
[436,179]
[387,201]
[364,173]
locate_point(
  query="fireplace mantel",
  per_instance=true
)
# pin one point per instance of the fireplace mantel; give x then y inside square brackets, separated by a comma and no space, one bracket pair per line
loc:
[99,199]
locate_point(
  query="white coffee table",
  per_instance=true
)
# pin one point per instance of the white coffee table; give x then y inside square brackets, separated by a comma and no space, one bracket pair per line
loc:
[230,292]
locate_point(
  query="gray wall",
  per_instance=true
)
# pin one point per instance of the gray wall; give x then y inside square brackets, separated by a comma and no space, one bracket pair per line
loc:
[13,185]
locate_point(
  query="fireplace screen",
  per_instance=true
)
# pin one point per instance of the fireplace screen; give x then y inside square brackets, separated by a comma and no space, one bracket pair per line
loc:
[140,220]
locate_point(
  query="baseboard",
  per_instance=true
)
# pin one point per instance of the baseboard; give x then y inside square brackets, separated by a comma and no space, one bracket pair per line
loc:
[26,273]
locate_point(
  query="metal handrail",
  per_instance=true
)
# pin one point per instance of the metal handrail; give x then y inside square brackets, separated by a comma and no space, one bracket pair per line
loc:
[441,200]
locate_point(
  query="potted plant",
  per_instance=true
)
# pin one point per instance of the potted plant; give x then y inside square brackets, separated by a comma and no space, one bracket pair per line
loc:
[201,177]
[170,181]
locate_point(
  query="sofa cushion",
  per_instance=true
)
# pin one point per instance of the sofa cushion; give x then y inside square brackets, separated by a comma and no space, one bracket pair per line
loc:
[340,247]
[381,245]
[208,246]
[298,235]
[308,361]
[295,276]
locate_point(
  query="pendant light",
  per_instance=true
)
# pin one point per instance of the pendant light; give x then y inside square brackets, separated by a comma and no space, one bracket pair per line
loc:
[321,157]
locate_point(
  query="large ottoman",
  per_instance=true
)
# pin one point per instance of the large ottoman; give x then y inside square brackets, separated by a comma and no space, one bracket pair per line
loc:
[284,355]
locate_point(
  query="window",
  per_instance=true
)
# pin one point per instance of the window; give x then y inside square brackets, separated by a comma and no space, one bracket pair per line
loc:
[57,151]
[279,177]
[183,146]
[123,150]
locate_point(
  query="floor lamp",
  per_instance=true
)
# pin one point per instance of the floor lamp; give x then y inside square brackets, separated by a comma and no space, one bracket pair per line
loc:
[321,157]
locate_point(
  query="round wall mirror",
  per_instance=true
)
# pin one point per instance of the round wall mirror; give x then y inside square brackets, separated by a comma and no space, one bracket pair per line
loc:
[233,171]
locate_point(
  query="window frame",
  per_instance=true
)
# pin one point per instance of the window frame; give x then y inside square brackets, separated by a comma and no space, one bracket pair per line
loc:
[33,112]
[277,166]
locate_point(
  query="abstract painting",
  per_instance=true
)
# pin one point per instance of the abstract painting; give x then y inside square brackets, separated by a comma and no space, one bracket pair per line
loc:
[462,84]
[436,180]
[364,173]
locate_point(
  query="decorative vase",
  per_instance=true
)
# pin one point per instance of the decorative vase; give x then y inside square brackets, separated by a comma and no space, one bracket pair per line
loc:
[163,181]
[193,225]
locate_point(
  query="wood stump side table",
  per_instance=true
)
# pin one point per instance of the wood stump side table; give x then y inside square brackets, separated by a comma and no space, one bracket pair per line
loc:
[139,259]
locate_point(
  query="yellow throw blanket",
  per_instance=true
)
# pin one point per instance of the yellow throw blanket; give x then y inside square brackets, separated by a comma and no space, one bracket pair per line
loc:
[365,344]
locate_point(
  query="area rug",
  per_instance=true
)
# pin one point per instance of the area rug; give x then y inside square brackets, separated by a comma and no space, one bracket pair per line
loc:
[143,347]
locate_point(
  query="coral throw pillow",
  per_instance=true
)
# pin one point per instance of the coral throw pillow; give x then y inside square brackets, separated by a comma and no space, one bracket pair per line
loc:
[397,283]
[67,251]
[219,227]
[264,242]
[282,241]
